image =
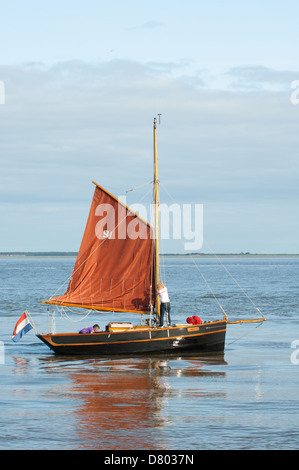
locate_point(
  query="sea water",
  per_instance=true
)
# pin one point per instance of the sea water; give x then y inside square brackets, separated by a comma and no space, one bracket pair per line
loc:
[246,399]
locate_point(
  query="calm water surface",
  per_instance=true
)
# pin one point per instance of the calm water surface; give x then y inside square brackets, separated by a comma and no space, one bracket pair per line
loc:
[245,399]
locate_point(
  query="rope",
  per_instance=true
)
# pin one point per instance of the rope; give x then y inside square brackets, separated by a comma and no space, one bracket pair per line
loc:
[63,312]
[138,187]
[219,260]
[237,283]
[222,309]
[245,334]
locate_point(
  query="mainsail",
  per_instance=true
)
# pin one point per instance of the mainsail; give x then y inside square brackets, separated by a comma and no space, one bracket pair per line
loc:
[114,269]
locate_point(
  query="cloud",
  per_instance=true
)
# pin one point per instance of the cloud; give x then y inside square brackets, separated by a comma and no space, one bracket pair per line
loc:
[256,77]
[73,122]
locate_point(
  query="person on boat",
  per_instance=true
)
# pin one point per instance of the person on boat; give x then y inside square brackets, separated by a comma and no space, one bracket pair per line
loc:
[164,303]
[90,329]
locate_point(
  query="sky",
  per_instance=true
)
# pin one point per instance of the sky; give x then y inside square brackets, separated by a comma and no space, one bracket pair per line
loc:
[82,82]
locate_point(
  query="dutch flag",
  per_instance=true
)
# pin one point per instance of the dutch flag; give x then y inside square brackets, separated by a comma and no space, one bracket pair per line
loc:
[22,327]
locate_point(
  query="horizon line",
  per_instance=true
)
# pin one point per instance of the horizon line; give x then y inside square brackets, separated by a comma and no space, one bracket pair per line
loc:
[75,253]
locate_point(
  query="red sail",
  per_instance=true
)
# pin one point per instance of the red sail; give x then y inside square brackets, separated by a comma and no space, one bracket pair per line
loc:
[114,267]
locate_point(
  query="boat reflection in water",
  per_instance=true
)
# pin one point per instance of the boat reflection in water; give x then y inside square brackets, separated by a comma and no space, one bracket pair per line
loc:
[123,403]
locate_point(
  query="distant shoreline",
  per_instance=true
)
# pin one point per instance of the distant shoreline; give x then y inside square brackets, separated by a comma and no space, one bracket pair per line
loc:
[54,254]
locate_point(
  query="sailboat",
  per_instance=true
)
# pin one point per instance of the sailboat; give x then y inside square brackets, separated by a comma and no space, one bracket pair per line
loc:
[117,270]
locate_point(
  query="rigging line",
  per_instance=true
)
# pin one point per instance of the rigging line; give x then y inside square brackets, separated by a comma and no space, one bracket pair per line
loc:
[100,244]
[162,262]
[75,321]
[222,309]
[219,260]
[70,309]
[245,334]
[235,280]
[168,193]
[138,187]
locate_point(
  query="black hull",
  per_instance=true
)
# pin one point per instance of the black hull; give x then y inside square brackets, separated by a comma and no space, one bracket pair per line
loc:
[208,337]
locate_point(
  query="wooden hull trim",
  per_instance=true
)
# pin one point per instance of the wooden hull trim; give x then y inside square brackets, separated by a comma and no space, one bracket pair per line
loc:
[208,337]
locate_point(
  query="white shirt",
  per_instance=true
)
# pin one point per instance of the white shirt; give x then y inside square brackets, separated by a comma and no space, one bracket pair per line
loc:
[163,295]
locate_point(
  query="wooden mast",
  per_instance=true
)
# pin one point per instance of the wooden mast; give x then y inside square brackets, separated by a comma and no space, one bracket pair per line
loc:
[156,203]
